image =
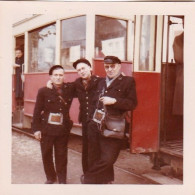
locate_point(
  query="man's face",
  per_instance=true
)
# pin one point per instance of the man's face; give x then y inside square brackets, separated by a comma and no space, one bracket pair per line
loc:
[18,53]
[112,69]
[57,76]
[84,71]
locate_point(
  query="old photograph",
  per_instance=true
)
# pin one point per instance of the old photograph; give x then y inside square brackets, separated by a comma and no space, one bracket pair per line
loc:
[97,94]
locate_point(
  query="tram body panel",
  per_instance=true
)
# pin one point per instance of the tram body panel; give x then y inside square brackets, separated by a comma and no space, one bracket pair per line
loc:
[145,120]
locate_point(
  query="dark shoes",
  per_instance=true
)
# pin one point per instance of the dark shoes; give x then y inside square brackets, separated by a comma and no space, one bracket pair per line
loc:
[54,181]
[62,182]
[82,179]
[49,182]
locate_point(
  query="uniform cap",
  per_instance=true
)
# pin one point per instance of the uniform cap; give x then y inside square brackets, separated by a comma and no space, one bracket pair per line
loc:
[55,67]
[82,60]
[112,60]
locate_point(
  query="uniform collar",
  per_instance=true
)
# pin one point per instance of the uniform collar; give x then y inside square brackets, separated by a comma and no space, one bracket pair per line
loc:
[92,80]
[110,81]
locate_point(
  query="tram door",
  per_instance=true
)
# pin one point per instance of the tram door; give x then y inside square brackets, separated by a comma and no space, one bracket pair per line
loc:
[18,81]
[172,80]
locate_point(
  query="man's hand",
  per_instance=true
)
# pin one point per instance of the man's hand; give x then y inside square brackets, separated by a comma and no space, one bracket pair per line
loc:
[49,84]
[37,135]
[108,100]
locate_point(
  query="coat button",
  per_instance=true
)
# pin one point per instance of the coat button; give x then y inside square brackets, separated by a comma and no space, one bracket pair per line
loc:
[106,91]
[60,108]
[87,97]
[87,108]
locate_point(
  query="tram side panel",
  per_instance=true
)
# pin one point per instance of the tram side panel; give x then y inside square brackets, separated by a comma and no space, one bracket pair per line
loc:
[145,120]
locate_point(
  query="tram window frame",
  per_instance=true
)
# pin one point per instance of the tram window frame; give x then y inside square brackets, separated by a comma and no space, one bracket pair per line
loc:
[75,48]
[50,51]
[148,65]
[98,50]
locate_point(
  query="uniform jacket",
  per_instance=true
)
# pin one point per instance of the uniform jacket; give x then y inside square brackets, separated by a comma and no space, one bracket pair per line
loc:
[19,90]
[19,61]
[48,101]
[85,97]
[123,90]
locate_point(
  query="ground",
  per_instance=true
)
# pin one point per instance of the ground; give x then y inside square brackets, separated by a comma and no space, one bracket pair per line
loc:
[27,165]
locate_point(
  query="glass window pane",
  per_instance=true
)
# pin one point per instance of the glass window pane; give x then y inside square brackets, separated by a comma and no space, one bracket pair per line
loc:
[73,42]
[42,44]
[110,37]
[147,44]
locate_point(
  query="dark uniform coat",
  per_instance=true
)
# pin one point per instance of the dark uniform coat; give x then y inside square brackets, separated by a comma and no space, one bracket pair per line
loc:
[85,97]
[123,90]
[48,101]
[103,152]
[53,136]
[19,90]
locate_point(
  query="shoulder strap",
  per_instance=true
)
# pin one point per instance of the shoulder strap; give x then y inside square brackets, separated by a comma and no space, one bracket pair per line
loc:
[62,99]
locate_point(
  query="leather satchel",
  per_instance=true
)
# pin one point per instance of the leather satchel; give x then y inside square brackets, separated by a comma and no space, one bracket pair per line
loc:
[113,126]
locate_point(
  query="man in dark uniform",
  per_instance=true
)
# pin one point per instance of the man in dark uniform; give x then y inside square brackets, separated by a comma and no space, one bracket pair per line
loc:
[19,61]
[51,124]
[118,94]
[85,89]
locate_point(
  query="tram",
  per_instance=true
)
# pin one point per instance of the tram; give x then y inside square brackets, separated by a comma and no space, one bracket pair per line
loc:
[144,43]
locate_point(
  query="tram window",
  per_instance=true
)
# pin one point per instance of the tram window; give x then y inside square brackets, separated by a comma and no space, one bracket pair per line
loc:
[73,42]
[147,43]
[42,44]
[110,37]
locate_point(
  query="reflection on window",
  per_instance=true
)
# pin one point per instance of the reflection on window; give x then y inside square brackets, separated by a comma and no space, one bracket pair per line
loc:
[110,37]
[146,58]
[42,43]
[73,42]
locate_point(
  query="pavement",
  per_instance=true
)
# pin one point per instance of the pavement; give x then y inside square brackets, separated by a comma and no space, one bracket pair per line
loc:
[129,168]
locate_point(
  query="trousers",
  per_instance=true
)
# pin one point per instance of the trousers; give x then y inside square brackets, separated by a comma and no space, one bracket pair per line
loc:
[85,146]
[102,154]
[58,146]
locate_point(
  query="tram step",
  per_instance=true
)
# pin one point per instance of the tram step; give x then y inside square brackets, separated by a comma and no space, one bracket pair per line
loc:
[17,116]
[18,125]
